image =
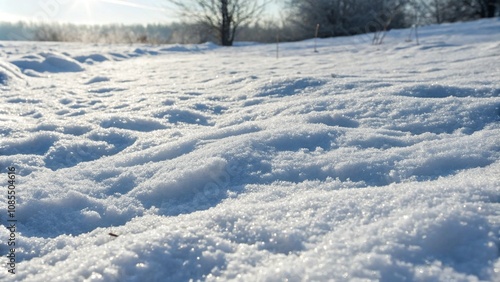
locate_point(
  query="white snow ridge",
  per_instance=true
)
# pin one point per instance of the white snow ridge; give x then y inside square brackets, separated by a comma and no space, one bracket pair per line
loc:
[186,163]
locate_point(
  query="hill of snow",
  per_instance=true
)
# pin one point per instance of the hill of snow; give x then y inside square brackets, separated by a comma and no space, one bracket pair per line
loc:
[197,162]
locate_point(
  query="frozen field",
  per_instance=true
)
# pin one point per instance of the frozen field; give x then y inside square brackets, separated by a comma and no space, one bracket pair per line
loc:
[357,162]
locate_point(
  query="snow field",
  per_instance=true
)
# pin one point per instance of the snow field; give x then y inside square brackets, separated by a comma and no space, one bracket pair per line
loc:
[356,163]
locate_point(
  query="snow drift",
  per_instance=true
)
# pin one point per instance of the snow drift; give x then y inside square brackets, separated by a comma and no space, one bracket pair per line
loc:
[358,162]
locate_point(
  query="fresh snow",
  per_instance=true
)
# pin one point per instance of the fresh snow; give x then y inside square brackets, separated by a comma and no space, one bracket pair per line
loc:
[355,163]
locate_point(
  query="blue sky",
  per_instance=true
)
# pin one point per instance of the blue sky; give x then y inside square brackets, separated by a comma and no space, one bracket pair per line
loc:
[88,11]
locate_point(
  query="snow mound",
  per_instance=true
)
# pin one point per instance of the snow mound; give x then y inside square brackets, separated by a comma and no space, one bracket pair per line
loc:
[190,48]
[51,62]
[97,79]
[92,58]
[143,125]
[9,74]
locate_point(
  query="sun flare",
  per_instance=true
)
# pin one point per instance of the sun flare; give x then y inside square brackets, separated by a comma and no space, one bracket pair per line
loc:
[86,7]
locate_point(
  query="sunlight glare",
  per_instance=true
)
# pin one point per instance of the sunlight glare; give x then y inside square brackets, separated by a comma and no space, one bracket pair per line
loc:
[87,6]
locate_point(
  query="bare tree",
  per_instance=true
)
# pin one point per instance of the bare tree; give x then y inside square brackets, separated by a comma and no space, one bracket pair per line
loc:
[223,17]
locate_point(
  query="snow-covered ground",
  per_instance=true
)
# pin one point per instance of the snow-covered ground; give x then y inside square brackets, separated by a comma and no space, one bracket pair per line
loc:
[357,162]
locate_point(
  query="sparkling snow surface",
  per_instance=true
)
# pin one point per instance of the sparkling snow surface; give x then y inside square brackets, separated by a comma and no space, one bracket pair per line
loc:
[357,162]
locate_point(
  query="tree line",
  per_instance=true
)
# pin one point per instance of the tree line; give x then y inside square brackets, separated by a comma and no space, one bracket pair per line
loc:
[331,17]
[349,17]
[224,21]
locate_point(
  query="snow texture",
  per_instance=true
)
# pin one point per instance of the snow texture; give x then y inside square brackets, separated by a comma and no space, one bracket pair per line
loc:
[355,163]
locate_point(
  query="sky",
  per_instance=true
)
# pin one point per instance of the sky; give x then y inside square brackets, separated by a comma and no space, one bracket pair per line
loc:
[88,11]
